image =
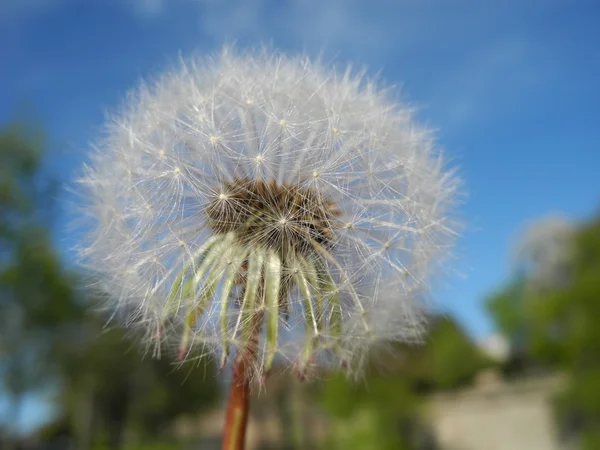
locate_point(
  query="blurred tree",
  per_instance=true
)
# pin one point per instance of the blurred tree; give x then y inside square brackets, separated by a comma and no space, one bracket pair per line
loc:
[541,255]
[566,334]
[384,411]
[369,415]
[34,291]
[449,360]
[508,310]
[508,307]
[555,323]
[110,388]
[47,341]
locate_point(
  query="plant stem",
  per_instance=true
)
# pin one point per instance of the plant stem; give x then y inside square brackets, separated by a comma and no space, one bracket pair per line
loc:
[236,419]
[237,406]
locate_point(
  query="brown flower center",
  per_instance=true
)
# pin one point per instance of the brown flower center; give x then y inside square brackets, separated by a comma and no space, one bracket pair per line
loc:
[286,218]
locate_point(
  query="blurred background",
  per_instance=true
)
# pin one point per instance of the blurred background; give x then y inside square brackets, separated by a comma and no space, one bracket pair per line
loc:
[512,360]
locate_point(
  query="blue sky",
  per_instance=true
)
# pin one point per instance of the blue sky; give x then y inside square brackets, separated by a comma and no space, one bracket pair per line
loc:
[512,86]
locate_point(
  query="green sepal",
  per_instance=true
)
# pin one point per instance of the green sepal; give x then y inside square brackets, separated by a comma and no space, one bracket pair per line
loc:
[196,311]
[272,286]
[329,257]
[228,281]
[179,290]
[313,278]
[331,293]
[212,270]
[248,307]
[311,325]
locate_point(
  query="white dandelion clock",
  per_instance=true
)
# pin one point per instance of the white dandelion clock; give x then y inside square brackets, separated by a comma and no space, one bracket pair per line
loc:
[267,205]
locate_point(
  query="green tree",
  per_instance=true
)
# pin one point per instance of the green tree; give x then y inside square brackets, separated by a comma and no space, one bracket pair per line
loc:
[50,341]
[556,326]
[449,359]
[566,334]
[384,411]
[34,290]
[110,387]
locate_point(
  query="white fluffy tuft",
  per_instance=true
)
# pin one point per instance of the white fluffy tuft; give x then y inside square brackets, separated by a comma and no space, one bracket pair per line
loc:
[278,119]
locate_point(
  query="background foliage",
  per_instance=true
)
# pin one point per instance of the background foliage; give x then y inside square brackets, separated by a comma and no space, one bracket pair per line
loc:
[106,395]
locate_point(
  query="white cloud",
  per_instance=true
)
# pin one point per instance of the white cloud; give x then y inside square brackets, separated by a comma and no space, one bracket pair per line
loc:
[17,10]
[148,9]
[236,19]
[311,24]
[489,77]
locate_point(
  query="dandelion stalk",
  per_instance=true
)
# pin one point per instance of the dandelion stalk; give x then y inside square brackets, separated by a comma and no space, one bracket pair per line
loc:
[238,404]
[266,211]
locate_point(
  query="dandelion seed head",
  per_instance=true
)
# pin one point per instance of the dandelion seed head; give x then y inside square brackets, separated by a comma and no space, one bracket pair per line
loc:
[209,212]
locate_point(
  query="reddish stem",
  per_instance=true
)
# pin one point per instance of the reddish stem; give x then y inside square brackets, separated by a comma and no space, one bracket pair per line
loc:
[237,407]
[236,419]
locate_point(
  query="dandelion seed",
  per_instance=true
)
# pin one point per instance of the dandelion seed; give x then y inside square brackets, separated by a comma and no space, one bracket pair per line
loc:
[245,249]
